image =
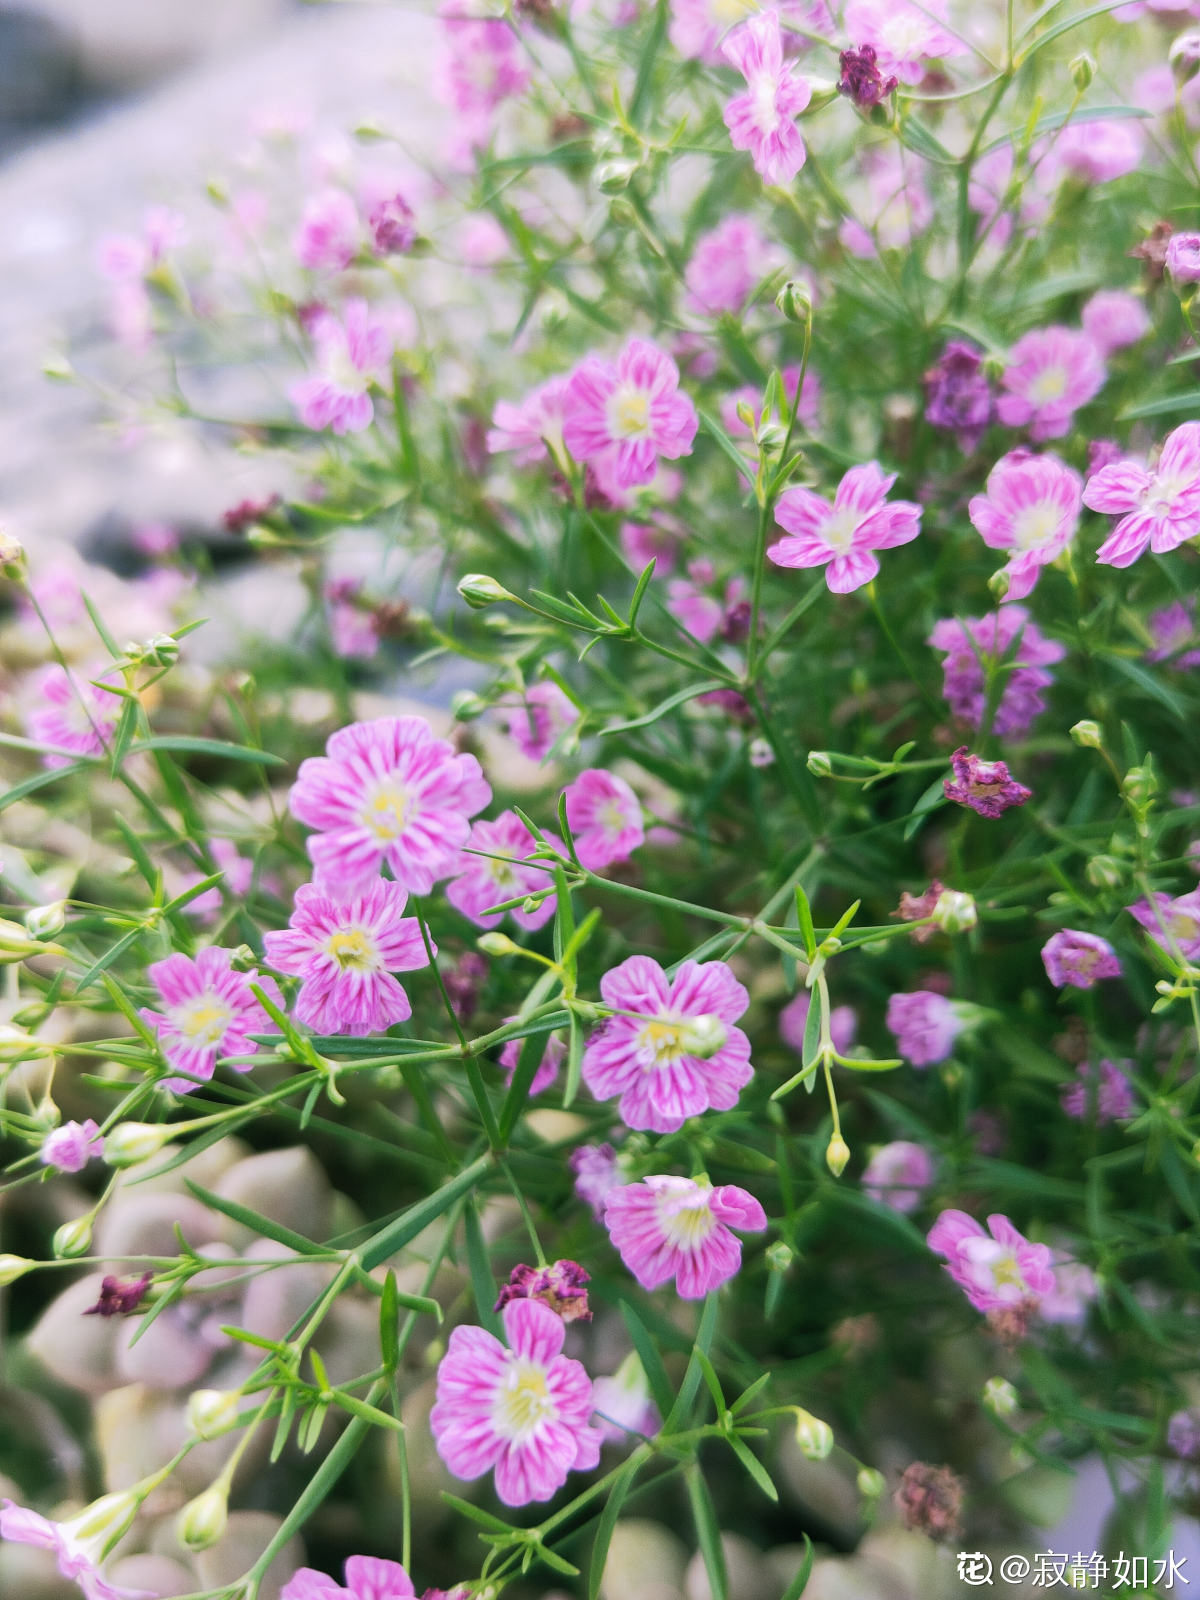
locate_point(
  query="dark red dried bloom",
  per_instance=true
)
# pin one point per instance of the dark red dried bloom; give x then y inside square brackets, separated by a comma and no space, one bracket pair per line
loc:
[930,1500]
[987,787]
[861,79]
[239,517]
[118,1297]
[562,1287]
[916,907]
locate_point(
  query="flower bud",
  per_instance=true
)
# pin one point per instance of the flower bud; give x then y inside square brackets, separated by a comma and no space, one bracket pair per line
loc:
[13,1267]
[795,300]
[12,551]
[1000,1397]
[999,584]
[73,1239]
[58,368]
[1138,785]
[814,1437]
[1082,70]
[837,1154]
[820,763]
[131,1142]
[746,416]
[1184,55]
[478,590]
[202,1521]
[871,1484]
[17,945]
[497,944]
[703,1036]
[614,177]
[779,1256]
[212,1411]
[954,911]
[107,1518]
[43,922]
[467,705]
[161,651]
[760,753]
[1087,734]
[1104,872]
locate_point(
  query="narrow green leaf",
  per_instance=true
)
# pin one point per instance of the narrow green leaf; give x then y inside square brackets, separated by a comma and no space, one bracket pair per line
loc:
[181,744]
[389,1323]
[656,1373]
[753,1466]
[255,1221]
[476,1514]
[800,1582]
[680,697]
[805,922]
[404,1228]
[483,1284]
[609,1518]
[708,1531]
[40,780]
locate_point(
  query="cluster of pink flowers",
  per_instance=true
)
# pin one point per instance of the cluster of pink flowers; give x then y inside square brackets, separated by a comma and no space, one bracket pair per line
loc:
[1005,643]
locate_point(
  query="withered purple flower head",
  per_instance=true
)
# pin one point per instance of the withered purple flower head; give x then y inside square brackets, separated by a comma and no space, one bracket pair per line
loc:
[562,1287]
[861,79]
[118,1296]
[957,395]
[987,787]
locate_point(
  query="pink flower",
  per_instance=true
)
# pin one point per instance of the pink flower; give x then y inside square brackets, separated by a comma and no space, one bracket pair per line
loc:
[484,881]
[807,409]
[541,719]
[562,1287]
[388,792]
[367,1578]
[643,542]
[1183,257]
[548,1068]
[1113,318]
[671,1051]
[605,818]
[238,874]
[77,1545]
[1100,150]
[523,1410]
[727,263]
[986,787]
[71,1147]
[1078,959]
[793,1020]
[330,232]
[1174,925]
[354,627]
[897,1174]
[623,1403]
[1032,509]
[1051,372]
[703,615]
[597,1174]
[73,715]
[526,427]
[666,1227]
[210,1013]
[1074,1290]
[698,26]
[393,230]
[958,396]
[925,1025]
[623,416]
[1173,629]
[905,36]
[761,120]
[1159,510]
[842,536]
[1005,644]
[997,1273]
[352,353]
[344,951]
[1110,1100]
[479,66]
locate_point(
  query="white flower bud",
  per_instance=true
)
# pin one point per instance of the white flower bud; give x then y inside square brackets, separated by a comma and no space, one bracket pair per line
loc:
[73,1239]
[212,1411]
[497,944]
[795,300]
[1087,734]
[13,1267]
[202,1521]
[814,1437]
[43,922]
[1000,1397]
[836,1155]
[819,763]
[954,911]
[131,1142]
[478,590]
[871,1484]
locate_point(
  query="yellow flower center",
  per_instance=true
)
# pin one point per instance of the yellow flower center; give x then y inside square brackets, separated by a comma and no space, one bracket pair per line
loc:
[523,1401]
[205,1020]
[726,12]
[686,1226]
[838,532]
[388,813]
[353,947]
[1050,384]
[629,413]
[1181,926]
[1006,1272]
[612,818]
[1033,527]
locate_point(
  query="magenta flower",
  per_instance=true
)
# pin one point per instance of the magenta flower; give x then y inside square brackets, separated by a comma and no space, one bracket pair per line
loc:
[344,951]
[671,1051]
[987,787]
[1111,1098]
[861,79]
[367,1578]
[72,714]
[597,1173]
[237,874]
[666,1227]
[605,818]
[958,396]
[528,426]
[76,1545]
[1031,508]
[1183,1434]
[1051,372]
[330,232]
[523,1410]
[623,416]
[1174,925]
[1173,630]
[841,536]
[70,1147]
[209,1013]
[541,719]
[702,613]
[553,1056]
[490,879]
[1183,257]
[727,263]
[1098,151]
[1079,959]
[387,791]
[354,625]
[905,36]
[353,352]
[925,1025]
[698,26]
[1005,642]
[997,1273]
[793,1020]
[761,120]
[1159,510]
[479,66]
[392,225]
[898,1174]
[1114,318]
[643,542]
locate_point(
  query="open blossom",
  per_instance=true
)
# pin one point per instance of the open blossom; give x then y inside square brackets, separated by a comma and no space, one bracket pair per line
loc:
[497,875]
[905,37]
[761,120]
[925,1025]
[1173,630]
[793,1020]
[958,396]
[479,66]
[71,713]
[1079,960]
[330,231]
[543,716]
[605,818]
[70,1147]
[671,1051]
[699,26]
[548,1068]
[344,951]
[998,1272]
[1159,509]
[77,1544]
[666,1227]
[209,1012]
[897,1175]
[623,1403]
[644,542]
[704,615]
[597,1173]
[726,264]
[353,352]
[1051,373]
[1109,1098]
[841,536]
[526,426]
[1174,925]
[1114,318]
[979,645]
[388,792]
[1100,150]
[986,787]
[623,416]
[237,874]
[1031,509]
[523,1411]
[367,1578]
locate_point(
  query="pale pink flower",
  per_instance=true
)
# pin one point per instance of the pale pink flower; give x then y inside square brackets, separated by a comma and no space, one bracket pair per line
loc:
[237,875]
[353,352]
[666,1227]
[670,1051]
[727,263]
[793,1020]
[623,1403]
[1173,629]
[898,206]
[70,1147]
[1031,508]
[548,1067]
[643,542]
[1098,151]
[898,1174]
[1159,509]
[209,1013]
[330,234]
[483,881]
[999,1272]
[1079,959]
[906,37]
[597,1170]
[841,536]
[541,719]
[1183,257]
[925,1025]
[72,714]
[367,1578]
[388,792]
[1174,925]
[354,626]
[344,951]
[481,241]
[762,120]
[76,1545]
[523,1411]
[623,416]
[1075,1288]
[1114,318]
[605,817]
[698,26]
[527,426]
[1051,373]
[478,67]
[691,602]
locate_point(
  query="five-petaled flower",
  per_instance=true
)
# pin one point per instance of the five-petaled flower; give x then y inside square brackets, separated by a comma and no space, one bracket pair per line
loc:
[492,871]
[1031,509]
[1159,509]
[998,1270]
[209,1011]
[841,536]
[762,119]
[667,1227]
